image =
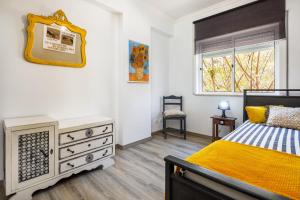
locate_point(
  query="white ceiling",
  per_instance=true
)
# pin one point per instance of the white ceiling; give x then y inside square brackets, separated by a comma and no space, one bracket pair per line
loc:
[180,8]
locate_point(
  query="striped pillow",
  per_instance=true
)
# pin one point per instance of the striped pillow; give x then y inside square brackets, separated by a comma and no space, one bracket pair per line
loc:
[284,117]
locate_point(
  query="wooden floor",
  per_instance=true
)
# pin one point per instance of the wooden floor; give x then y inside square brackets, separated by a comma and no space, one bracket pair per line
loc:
[137,174]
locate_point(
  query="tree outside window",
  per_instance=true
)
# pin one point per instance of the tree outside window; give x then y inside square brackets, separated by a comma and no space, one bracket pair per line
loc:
[251,67]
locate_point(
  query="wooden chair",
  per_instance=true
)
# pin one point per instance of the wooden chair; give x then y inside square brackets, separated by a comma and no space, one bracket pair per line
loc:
[174,114]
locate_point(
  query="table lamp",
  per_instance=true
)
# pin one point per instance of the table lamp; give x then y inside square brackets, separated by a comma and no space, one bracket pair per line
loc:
[224,105]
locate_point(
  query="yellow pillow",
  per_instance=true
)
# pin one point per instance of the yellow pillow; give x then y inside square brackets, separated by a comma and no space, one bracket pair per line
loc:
[256,114]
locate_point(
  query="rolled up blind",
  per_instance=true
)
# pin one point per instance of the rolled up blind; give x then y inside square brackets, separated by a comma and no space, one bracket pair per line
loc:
[253,23]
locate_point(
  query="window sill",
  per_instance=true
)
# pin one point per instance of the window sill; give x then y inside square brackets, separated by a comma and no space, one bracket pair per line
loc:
[219,94]
[233,94]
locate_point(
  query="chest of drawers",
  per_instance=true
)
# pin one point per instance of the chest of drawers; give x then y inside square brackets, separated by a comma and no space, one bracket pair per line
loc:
[39,151]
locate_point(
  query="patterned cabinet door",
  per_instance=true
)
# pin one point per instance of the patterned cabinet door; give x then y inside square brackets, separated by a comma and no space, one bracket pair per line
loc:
[32,156]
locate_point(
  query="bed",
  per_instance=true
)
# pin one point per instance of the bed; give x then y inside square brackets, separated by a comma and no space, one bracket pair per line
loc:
[193,181]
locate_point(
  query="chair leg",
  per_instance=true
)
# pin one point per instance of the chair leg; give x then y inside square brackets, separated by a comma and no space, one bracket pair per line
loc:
[164,128]
[184,128]
[181,128]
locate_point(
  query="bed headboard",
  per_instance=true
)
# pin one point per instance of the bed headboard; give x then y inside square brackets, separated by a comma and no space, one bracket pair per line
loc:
[285,97]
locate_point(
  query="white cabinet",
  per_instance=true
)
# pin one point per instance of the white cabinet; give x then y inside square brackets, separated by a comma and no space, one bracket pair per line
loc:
[39,151]
[33,156]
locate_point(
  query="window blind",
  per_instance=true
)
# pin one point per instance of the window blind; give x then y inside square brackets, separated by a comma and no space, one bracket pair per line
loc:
[258,22]
[242,38]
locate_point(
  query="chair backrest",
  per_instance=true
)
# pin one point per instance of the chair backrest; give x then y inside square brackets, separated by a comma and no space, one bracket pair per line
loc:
[172,100]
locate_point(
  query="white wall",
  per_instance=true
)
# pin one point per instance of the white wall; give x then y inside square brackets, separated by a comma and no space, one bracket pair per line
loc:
[99,88]
[134,100]
[294,43]
[200,108]
[160,48]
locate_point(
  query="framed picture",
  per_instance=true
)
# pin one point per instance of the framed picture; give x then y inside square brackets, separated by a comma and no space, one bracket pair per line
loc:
[138,62]
[54,40]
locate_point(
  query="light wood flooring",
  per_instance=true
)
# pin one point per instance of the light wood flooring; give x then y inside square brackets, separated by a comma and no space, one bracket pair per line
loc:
[137,174]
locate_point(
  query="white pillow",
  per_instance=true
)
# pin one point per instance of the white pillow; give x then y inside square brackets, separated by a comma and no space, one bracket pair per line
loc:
[284,117]
[174,112]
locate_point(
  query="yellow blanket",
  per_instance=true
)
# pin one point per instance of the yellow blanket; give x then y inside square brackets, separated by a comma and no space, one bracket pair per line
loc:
[271,170]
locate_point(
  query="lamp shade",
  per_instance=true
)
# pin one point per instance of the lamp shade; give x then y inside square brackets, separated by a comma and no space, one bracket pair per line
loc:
[224,105]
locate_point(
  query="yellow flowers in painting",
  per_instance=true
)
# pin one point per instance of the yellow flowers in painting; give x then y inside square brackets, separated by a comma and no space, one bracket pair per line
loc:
[138,62]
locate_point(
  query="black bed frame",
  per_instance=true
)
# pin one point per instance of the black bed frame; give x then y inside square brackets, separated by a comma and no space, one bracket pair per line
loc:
[178,187]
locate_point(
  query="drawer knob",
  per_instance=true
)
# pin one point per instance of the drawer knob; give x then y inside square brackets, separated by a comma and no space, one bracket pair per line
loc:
[89,132]
[69,150]
[105,129]
[105,153]
[69,136]
[89,145]
[89,158]
[71,165]
[105,141]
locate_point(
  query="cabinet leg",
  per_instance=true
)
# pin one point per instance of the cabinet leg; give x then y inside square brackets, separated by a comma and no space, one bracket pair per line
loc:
[217,132]
[213,132]
[21,196]
[232,128]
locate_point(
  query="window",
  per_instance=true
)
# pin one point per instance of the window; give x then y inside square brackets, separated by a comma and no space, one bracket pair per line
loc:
[236,69]
[245,52]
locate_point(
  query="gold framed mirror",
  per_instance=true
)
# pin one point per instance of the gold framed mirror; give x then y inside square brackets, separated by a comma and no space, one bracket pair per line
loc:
[54,40]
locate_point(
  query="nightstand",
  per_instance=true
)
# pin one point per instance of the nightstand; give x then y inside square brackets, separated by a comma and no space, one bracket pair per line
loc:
[218,120]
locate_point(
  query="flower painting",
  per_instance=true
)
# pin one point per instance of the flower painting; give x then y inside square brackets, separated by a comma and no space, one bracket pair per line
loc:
[138,62]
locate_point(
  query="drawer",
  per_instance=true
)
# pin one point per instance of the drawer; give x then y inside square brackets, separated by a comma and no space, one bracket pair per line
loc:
[66,138]
[223,122]
[84,160]
[84,146]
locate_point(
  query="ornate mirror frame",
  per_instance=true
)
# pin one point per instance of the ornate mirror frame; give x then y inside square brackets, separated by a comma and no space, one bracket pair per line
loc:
[58,19]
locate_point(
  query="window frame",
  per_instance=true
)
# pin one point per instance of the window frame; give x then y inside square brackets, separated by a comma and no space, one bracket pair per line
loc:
[279,61]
